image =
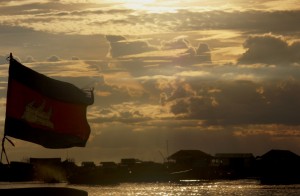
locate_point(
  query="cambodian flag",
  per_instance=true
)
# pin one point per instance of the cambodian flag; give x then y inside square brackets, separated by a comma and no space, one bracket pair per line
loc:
[45,111]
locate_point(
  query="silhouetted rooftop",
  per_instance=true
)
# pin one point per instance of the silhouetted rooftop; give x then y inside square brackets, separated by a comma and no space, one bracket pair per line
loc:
[188,154]
[280,154]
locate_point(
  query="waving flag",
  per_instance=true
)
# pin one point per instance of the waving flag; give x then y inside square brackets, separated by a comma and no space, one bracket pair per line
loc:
[45,111]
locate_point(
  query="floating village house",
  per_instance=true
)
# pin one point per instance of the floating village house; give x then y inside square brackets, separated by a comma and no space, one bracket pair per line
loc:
[234,165]
[192,164]
[279,167]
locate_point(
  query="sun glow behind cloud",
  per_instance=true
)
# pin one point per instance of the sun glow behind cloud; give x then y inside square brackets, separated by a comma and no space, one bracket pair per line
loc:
[152,6]
[206,5]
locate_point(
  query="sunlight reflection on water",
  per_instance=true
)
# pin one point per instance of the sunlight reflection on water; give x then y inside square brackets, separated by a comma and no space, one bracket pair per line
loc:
[236,187]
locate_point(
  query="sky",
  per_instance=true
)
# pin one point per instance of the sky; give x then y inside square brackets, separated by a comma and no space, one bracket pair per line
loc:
[220,76]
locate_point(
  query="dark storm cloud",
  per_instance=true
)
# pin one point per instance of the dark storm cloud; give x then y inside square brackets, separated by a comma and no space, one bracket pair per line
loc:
[270,49]
[243,102]
[227,95]
[120,46]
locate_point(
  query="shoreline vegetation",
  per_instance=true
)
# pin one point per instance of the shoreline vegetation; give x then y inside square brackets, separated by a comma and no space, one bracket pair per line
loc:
[274,167]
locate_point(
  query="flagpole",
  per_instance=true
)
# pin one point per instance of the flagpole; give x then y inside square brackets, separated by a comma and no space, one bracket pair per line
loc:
[3,151]
[9,58]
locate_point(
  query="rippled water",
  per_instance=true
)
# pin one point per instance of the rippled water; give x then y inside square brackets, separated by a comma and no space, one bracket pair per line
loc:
[237,187]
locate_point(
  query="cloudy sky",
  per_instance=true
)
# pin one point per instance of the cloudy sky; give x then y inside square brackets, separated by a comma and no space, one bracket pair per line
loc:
[213,75]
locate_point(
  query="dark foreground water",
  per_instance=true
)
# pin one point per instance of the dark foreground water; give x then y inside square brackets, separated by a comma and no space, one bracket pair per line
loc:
[237,187]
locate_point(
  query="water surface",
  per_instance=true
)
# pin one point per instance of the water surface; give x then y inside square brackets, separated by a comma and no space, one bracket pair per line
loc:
[235,187]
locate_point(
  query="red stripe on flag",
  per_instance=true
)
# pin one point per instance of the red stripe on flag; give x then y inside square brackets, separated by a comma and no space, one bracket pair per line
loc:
[42,112]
